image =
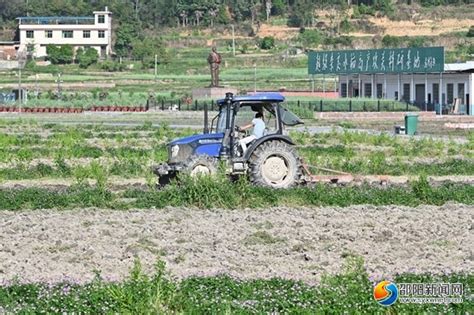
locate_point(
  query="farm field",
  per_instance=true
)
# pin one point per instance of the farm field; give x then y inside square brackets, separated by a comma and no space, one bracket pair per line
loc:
[78,210]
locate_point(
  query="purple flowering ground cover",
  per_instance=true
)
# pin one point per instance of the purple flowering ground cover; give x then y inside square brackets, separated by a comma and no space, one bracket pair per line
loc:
[348,292]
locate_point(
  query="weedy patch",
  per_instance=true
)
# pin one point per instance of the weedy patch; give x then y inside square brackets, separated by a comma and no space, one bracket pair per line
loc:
[261,238]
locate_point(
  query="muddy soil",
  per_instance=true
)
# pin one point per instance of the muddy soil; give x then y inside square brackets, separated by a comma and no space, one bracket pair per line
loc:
[302,243]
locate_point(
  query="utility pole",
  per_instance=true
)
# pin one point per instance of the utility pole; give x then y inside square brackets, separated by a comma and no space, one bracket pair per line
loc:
[233,40]
[255,78]
[20,98]
[156,66]
[59,81]
[21,62]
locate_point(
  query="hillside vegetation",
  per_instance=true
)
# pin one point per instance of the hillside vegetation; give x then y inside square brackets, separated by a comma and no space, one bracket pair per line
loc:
[306,24]
[271,37]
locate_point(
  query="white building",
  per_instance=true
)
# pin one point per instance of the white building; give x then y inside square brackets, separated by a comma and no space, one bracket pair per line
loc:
[456,82]
[94,31]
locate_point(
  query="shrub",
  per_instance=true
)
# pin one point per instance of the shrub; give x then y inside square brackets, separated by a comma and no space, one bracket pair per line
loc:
[345,26]
[86,58]
[391,41]
[416,42]
[268,42]
[340,40]
[368,10]
[60,55]
[112,66]
[310,38]
[146,49]
[470,33]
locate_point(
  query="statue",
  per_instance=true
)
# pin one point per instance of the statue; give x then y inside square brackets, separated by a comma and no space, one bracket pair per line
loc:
[214,59]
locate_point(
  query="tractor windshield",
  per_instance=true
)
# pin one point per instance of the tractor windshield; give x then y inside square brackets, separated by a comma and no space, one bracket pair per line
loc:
[288,118]
[220,128]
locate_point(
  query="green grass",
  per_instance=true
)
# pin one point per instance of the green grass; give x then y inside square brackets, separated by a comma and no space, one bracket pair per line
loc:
[349,292]
[219,192]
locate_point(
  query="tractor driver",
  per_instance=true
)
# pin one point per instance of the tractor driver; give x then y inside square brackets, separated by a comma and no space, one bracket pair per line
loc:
[258,130]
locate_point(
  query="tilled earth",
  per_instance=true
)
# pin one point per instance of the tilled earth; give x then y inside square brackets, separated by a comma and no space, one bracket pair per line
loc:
[294,243]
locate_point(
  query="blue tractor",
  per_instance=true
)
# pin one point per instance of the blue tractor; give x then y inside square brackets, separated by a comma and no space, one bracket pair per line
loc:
[270,160]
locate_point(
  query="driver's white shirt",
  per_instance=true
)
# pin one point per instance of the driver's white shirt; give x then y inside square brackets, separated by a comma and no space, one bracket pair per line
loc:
[258,127]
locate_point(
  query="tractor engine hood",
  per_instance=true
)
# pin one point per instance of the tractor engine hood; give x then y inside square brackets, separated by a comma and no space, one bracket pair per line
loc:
[198,139]
[180,150]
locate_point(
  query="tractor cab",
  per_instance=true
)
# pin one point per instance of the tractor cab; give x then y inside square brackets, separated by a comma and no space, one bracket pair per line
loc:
[242,151]
[239,111]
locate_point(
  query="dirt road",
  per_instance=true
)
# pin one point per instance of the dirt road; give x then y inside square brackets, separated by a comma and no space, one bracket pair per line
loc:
[301,243]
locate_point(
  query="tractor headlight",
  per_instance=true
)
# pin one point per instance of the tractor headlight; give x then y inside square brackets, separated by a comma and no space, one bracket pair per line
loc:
[174,151]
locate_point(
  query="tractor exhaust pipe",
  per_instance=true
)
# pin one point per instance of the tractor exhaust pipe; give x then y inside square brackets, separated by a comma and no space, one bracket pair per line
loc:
[206,119]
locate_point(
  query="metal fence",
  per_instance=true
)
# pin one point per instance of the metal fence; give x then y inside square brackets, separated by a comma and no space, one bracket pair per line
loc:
[339,105]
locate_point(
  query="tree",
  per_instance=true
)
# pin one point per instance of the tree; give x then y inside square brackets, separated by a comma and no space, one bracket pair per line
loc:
[278,7]
[146,49]
[86,58]
[268,8]
[60,55]
[268,42]
[310,38]
[302,14]
[125,35]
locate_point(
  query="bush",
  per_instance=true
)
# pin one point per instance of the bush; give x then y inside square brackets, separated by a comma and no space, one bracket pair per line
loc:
[112,66]
[391,41]
[368,10]
[310,37]
[340,40]
[345,26]
[86,58]
[145,50]
[294,20]
[470,33]
[268,42]
[60,55]
[416,42]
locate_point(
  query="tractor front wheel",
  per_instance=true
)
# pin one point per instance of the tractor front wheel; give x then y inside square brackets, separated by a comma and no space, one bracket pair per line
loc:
[275,164]
[201,165]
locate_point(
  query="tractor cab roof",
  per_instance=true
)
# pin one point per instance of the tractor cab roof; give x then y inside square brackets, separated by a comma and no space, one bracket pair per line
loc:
[264,100]
[270,97]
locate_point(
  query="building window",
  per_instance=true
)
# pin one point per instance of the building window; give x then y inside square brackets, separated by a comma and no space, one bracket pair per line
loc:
[343,89]
[436,93]
[101,19]
[48,34]
[86,34]
[67,34]
[379,90]
[368,90]
[450,92]
[406,92]
[101,34]
[461,92]
[29,34]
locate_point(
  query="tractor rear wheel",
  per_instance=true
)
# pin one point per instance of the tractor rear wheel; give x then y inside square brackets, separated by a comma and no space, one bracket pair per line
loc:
[201,165]
[275,164]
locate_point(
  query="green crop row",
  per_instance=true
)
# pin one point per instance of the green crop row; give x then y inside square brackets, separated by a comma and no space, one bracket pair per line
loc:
[134,166]
[350,292]
[398,146]
[221,193]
